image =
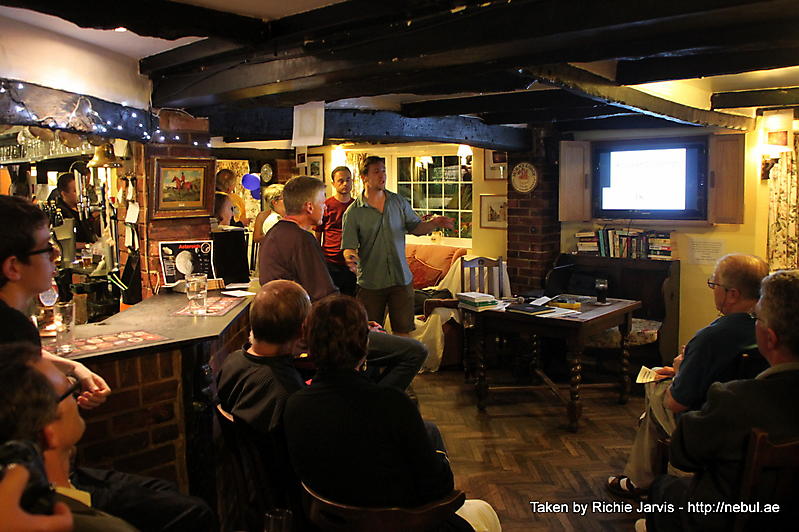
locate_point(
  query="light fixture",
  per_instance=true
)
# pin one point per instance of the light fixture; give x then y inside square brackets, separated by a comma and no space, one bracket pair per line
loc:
[776,139]
[464,151]
[120,29]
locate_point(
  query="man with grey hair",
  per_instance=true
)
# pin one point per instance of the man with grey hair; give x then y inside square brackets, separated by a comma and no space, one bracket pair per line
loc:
[710,356]
[712,442]
[290,251]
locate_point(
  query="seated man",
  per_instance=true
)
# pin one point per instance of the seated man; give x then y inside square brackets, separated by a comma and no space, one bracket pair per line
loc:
[712,442]
[146,503]
[255,381]
[358,443]
[290,251]
[707,358]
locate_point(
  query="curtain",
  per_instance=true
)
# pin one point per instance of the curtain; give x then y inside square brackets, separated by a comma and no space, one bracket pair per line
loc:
[783,221]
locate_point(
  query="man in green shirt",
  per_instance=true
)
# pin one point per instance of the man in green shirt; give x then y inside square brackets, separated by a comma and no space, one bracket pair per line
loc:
[373,241]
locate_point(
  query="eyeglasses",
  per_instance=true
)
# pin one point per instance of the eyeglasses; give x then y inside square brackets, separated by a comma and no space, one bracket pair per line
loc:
[713,284]
[54,251]
[73,390]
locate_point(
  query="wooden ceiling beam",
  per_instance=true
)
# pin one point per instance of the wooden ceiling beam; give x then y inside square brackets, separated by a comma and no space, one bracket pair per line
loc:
[703,65]
[785,97]
[556,115]
[368,126]
[493,103]
[599,89]
[618,122]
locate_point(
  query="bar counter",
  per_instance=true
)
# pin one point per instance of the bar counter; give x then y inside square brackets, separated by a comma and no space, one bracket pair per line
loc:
[158,419]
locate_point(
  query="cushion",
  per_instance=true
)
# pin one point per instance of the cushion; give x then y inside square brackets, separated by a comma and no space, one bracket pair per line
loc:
[424,275]
[642,332]
[434,255]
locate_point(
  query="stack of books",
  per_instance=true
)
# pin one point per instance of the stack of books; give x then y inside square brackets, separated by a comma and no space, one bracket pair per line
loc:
[625,243]
[659,247]
[476,301]
[587,242]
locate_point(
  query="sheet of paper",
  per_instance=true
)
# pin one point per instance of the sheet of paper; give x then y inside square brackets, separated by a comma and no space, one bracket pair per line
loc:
[705,251]
[128,237]
[309,124]
[558,312]
[237,286]
[541,300]
[237,293]
[646,375]
[132,216]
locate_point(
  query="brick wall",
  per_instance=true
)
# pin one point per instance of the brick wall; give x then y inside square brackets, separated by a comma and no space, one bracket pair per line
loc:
[533,227]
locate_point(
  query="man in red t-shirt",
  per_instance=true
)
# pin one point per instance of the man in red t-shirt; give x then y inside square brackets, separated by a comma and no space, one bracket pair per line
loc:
[329,231]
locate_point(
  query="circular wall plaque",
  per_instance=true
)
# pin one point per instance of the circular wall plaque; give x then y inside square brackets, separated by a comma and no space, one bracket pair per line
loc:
[524,177]
[266,173]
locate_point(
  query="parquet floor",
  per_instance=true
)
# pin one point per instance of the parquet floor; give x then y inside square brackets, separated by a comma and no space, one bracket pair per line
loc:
[520,450]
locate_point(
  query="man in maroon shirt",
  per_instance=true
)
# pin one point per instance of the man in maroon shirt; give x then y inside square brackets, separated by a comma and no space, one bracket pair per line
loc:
[329,231]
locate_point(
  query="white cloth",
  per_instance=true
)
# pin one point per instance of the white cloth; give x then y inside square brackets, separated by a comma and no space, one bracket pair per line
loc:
[480,515]
[270,220]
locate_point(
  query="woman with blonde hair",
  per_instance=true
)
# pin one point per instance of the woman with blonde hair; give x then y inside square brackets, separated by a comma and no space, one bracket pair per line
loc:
[273,211]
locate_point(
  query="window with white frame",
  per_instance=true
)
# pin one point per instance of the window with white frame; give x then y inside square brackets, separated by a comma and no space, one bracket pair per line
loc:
[439,185]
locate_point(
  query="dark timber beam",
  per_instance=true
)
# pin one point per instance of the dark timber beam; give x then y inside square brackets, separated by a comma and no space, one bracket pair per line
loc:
[555,115]
[600,89]
[368,126]
[493,103]
[755,98]
[620,122]
[703,65]
[153,18]
[28,104]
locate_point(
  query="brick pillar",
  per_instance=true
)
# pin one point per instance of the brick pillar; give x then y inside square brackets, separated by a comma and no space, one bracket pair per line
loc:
[533,227]
[183,136]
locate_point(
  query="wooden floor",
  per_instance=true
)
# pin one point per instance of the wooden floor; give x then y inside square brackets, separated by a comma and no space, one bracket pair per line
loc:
[520,450]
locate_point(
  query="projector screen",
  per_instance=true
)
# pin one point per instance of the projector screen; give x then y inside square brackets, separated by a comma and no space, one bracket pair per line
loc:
[659,179]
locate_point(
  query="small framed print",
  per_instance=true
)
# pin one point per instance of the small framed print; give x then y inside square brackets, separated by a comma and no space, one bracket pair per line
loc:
[300,158]
[496,165]
[183,187]
[316,166]
[494,211]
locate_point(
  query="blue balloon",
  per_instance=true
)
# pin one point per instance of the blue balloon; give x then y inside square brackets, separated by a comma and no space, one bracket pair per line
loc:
[256,194]
[251,182]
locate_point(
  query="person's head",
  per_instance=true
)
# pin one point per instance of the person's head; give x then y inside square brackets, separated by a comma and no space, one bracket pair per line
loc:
[337,331]
[304,197]
[278,311]
[225,180]
[341,177]
[777,326]
[223,208]
[66,430]
[736,282]
[67,188]
[28,403]
[273,198]
[26,256]
[373,173]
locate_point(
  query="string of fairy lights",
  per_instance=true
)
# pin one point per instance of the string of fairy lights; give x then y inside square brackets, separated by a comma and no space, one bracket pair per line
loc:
[85,120]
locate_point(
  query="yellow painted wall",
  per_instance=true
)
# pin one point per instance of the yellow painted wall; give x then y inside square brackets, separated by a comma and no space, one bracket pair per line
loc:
[696,304]
[485,242]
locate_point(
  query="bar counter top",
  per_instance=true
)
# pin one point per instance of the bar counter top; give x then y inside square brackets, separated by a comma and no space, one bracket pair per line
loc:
[156,315]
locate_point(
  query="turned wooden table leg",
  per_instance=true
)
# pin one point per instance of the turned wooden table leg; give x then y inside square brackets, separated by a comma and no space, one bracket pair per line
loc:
[624,384]
[481,384]
[573,408]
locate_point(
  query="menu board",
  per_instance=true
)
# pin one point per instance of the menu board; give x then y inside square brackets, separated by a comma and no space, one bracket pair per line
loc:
[179,259]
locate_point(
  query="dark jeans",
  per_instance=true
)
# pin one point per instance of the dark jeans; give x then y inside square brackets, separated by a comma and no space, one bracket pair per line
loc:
[400,357]
[149,504]
[342,277]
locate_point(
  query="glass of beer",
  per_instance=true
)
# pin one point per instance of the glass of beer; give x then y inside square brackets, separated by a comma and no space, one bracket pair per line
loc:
[601,287]
[197,292]
[64,318]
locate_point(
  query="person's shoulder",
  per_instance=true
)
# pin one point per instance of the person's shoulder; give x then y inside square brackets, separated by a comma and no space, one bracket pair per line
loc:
[726,328]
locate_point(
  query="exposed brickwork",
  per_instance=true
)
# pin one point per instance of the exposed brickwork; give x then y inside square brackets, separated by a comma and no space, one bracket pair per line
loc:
[533,227]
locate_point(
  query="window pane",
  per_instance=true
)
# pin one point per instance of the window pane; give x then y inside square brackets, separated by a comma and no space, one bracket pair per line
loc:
[419,197]
[466,225]
[404,190]
[466,197]
[451,196]
[454,216]
[404,166]
[437,173]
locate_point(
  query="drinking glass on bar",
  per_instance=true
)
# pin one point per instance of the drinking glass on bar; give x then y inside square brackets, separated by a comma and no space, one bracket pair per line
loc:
[278,520]
[64,318]
[197,292]
[601,287]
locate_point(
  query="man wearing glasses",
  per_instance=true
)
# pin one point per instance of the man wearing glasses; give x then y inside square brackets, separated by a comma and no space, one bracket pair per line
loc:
[27,265]
[710,356]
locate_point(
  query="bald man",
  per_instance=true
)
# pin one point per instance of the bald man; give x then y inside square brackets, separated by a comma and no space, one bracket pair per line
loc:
[710,356]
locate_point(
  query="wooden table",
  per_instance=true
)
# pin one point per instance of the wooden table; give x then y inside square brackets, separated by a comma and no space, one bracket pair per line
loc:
[573,328]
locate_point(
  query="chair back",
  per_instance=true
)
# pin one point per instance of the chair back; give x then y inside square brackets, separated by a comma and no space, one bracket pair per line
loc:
[330,516]
[779,462]
[481,273]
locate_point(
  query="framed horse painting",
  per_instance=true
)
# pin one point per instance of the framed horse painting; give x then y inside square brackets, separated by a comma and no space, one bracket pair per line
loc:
[182,187]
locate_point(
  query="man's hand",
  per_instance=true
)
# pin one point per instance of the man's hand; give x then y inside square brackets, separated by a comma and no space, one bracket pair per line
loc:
[15,519]
[664,372]
[352,260]
[94,389]
[443,222]
[678,361]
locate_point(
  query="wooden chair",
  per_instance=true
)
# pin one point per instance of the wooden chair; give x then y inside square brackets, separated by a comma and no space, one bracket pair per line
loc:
[331,516]
[779,462]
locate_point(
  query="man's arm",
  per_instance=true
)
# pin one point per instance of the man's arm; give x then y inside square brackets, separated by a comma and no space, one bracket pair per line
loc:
[671,403]
[434,223]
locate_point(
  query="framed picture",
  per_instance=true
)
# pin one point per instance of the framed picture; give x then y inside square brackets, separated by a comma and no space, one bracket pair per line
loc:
[300,158]
[494,211]
[183,187]
[316,166]
[496,165]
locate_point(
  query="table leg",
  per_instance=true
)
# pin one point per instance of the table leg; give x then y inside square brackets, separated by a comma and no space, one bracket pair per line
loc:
[535,346]
[573,408]
[481,384]
[624,385]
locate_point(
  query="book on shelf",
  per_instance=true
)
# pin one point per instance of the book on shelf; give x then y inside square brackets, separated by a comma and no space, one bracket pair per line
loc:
[628,243]
[529,309]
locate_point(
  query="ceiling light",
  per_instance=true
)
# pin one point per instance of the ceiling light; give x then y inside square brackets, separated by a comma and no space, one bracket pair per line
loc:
[120,29]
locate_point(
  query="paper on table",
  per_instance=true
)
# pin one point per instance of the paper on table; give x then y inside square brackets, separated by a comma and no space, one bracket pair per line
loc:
[647,375]
[541,300]
[558,312]
[236,286]
[237,293]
